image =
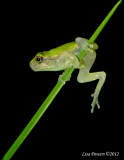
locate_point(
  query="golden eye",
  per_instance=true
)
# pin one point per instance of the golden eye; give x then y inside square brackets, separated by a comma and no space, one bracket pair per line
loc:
[39,59]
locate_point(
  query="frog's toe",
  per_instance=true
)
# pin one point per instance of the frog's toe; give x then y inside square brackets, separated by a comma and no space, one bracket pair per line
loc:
[92,107]
[94,102]
[98,106]
[93,46]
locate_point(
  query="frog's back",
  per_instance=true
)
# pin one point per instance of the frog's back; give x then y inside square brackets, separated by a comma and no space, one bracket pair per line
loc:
[71,46]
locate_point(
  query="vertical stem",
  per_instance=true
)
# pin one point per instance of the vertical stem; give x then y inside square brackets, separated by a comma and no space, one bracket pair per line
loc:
[104,22]
[33,121]
[100,28]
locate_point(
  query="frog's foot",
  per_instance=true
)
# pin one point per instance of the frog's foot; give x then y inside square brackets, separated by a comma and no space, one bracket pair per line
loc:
[83,43]
[94,102]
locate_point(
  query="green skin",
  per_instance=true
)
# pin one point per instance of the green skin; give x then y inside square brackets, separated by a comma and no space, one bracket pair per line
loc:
[65,56]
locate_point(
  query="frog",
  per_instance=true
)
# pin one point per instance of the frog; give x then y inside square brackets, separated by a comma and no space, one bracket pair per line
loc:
[65,56]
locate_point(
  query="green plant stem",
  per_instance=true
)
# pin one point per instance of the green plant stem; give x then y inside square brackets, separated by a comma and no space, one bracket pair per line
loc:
[100,28]
[54,92]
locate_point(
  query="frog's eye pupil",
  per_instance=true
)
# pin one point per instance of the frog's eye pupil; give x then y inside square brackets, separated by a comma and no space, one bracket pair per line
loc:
[39,59]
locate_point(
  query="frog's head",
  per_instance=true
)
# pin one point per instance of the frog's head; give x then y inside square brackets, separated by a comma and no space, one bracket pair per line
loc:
[41,62]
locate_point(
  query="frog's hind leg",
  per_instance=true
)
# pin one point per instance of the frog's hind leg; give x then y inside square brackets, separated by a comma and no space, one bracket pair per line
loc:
[85,76]
[91,77]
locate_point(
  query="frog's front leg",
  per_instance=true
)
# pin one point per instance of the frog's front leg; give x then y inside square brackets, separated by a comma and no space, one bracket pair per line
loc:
[65,61]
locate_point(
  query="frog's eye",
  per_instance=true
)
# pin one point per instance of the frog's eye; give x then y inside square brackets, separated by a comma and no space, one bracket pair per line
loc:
[39,59]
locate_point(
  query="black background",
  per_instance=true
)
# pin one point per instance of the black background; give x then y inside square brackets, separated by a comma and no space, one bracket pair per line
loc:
[67,129]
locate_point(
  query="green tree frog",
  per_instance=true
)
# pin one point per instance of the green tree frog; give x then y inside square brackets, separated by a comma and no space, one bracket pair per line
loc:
[65,56]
